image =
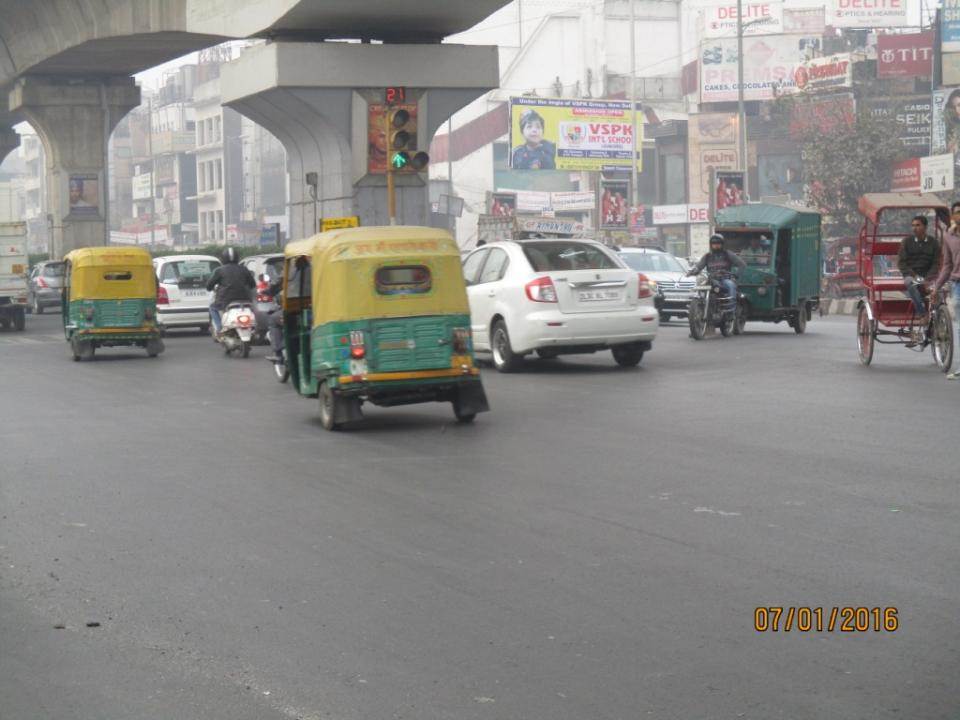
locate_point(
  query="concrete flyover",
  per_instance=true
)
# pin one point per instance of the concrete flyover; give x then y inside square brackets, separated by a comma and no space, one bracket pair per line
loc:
[66,65]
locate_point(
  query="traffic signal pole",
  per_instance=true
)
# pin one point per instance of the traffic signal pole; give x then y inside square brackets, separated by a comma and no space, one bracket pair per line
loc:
[391,188]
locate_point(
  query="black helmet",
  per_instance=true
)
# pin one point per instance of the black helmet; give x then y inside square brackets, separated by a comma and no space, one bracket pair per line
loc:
[230,255]
[717,238]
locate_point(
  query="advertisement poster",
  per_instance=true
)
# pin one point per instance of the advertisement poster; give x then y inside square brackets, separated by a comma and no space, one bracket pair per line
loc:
[84,194]
[613,204]
[759,18]
[558,134]
[873,13]
[914,117]
[905,56]
[712,139]
[946,121]
[926,174]
[377,135]
[950,26]
[503,204]
[728,189]
[827,73]
[770,65]
[809,21]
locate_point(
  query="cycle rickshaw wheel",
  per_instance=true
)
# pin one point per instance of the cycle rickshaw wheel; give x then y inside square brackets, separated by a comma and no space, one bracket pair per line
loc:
[942,345]
[866,335]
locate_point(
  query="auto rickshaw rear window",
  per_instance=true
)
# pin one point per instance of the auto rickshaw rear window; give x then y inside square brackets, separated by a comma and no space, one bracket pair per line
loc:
[404,280]
[118,275]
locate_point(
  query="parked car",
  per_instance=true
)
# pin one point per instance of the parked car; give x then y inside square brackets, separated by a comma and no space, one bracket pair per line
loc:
[668,275]
[554,297]
[182,296]
[45,286]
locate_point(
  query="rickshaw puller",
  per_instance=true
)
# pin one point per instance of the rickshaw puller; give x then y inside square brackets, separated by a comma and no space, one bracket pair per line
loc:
[918,261]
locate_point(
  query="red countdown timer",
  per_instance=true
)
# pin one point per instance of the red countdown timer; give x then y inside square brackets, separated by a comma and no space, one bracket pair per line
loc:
[396,95]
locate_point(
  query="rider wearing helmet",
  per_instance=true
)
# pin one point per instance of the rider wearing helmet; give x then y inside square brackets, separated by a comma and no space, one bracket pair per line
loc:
[721,262]
[232,282]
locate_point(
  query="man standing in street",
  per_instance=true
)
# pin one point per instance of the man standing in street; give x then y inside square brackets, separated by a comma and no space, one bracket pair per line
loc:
[918,260]
[950,267]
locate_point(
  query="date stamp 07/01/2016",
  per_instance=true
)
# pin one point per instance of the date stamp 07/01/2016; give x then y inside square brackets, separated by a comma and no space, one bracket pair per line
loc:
[826,619]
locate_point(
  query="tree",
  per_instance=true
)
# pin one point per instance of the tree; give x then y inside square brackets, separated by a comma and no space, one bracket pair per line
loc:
[845,153]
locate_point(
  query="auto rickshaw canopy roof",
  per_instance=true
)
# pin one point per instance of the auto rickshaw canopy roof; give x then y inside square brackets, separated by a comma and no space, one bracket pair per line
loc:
[111,273]
[872,204]
[764,215]
[344,263]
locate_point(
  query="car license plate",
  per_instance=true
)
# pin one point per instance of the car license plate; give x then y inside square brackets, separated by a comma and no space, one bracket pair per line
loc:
[193,293]
[598,295]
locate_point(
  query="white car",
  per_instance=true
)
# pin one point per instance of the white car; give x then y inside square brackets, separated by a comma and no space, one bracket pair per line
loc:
[668,274]
[554,297]
[182,296]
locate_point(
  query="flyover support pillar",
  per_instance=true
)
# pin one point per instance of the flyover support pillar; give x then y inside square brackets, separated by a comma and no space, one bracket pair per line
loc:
[74,118]
[321,101]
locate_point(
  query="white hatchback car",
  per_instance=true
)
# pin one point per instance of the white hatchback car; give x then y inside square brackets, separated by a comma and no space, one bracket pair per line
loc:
[554,297]
[182,296]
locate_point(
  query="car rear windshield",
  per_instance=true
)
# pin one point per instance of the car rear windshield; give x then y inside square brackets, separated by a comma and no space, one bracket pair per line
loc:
[53,271]
[273,269]
[403,280]
[567,255]
[652,262]
[199,270]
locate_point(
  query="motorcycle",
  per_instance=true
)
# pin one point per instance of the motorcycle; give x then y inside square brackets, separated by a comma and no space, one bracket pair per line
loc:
[280,368]
[711,307]
[237,327]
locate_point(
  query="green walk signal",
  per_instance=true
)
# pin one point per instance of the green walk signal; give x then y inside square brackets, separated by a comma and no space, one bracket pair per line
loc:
[400,160]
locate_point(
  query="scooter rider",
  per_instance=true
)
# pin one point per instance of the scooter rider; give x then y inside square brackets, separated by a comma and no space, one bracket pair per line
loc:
[232,282]
[720,262]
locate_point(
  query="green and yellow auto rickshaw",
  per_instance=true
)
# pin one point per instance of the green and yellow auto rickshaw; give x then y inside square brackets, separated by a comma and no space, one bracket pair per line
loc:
[379,315]
[781,247]
[110,300]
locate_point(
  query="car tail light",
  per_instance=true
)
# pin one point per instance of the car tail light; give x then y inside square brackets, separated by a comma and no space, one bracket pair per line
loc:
[646,289]
[541,290]
[162,297]
[461,341]
[41,282]
[262,287]
[357,347]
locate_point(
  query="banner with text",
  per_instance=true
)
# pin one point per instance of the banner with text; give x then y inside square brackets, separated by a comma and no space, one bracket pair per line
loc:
[909,55]
[770,64]
[913,116]
[759,18]
[950,26]
[873,13]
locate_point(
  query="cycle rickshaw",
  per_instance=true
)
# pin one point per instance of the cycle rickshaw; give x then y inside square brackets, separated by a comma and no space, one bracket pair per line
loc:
[886,315]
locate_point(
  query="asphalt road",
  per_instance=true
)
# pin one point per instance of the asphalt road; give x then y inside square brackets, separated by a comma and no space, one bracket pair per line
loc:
[592,549]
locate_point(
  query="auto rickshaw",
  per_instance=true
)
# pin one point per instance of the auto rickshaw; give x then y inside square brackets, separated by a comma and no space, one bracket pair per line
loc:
[110,300]
[781,246]
[379,315]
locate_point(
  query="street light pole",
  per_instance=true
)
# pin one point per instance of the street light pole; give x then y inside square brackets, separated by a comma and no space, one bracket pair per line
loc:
[634,189]
[741,115]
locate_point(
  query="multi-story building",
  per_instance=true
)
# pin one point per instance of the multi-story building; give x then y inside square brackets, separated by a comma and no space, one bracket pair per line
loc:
[35,191]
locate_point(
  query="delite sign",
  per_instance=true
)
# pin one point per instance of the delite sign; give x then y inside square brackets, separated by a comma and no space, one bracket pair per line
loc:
[759,18]
[869,14]
[680,214]
[908,55]
[827,73]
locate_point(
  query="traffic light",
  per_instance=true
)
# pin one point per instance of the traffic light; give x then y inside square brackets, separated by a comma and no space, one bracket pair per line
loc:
[402,151]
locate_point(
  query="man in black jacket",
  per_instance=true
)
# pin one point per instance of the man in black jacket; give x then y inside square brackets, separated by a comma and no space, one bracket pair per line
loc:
[720,262]
[232,282]
[918,260]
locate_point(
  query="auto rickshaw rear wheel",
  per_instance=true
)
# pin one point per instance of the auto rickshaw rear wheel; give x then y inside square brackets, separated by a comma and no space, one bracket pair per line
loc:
[328,407]
[20,320]
[799,321]
[461,415]
[154,347]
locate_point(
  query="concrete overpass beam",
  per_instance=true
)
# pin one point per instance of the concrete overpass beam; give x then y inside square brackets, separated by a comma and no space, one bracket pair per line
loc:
[74,118]
[315,98]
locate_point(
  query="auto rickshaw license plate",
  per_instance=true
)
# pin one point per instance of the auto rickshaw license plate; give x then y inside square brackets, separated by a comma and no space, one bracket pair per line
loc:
[598,295]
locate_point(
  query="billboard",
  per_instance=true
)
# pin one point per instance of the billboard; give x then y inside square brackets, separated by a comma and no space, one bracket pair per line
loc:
[613,204]
[142,186]
[84,194]
[926,174]
[872,13]
[560,134]
[769,67]
[912,114]
[728,189]
[503,204]
[712,144]
[950,26]
[945,118]
[826,73]
[906,56]
[759,18]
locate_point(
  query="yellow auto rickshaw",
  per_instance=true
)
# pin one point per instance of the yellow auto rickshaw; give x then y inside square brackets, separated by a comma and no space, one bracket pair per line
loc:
[379,315]
[109,300]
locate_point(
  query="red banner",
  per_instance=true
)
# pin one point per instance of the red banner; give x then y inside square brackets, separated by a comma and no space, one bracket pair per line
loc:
[905,55]
[906,176]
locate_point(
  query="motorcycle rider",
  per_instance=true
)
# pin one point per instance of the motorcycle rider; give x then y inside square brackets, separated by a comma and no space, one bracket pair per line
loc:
[232,282]
[720,262]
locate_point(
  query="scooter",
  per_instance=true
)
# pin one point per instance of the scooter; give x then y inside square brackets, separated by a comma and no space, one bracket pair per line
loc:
[237,326]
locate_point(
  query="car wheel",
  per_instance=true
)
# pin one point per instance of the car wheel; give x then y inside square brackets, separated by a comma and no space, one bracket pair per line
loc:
[20,320]
[665,317]
[504,359]
[627,355]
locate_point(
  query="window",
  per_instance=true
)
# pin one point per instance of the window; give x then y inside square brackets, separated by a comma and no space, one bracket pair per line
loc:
[188,273]
[219,224]
[53,270]
[567,255]
[298,278]
[201,184]
[495,266]
[652,262]
[403,280]
[674,180]
[216,128]
[471,266]
[219,174]
[200,136]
